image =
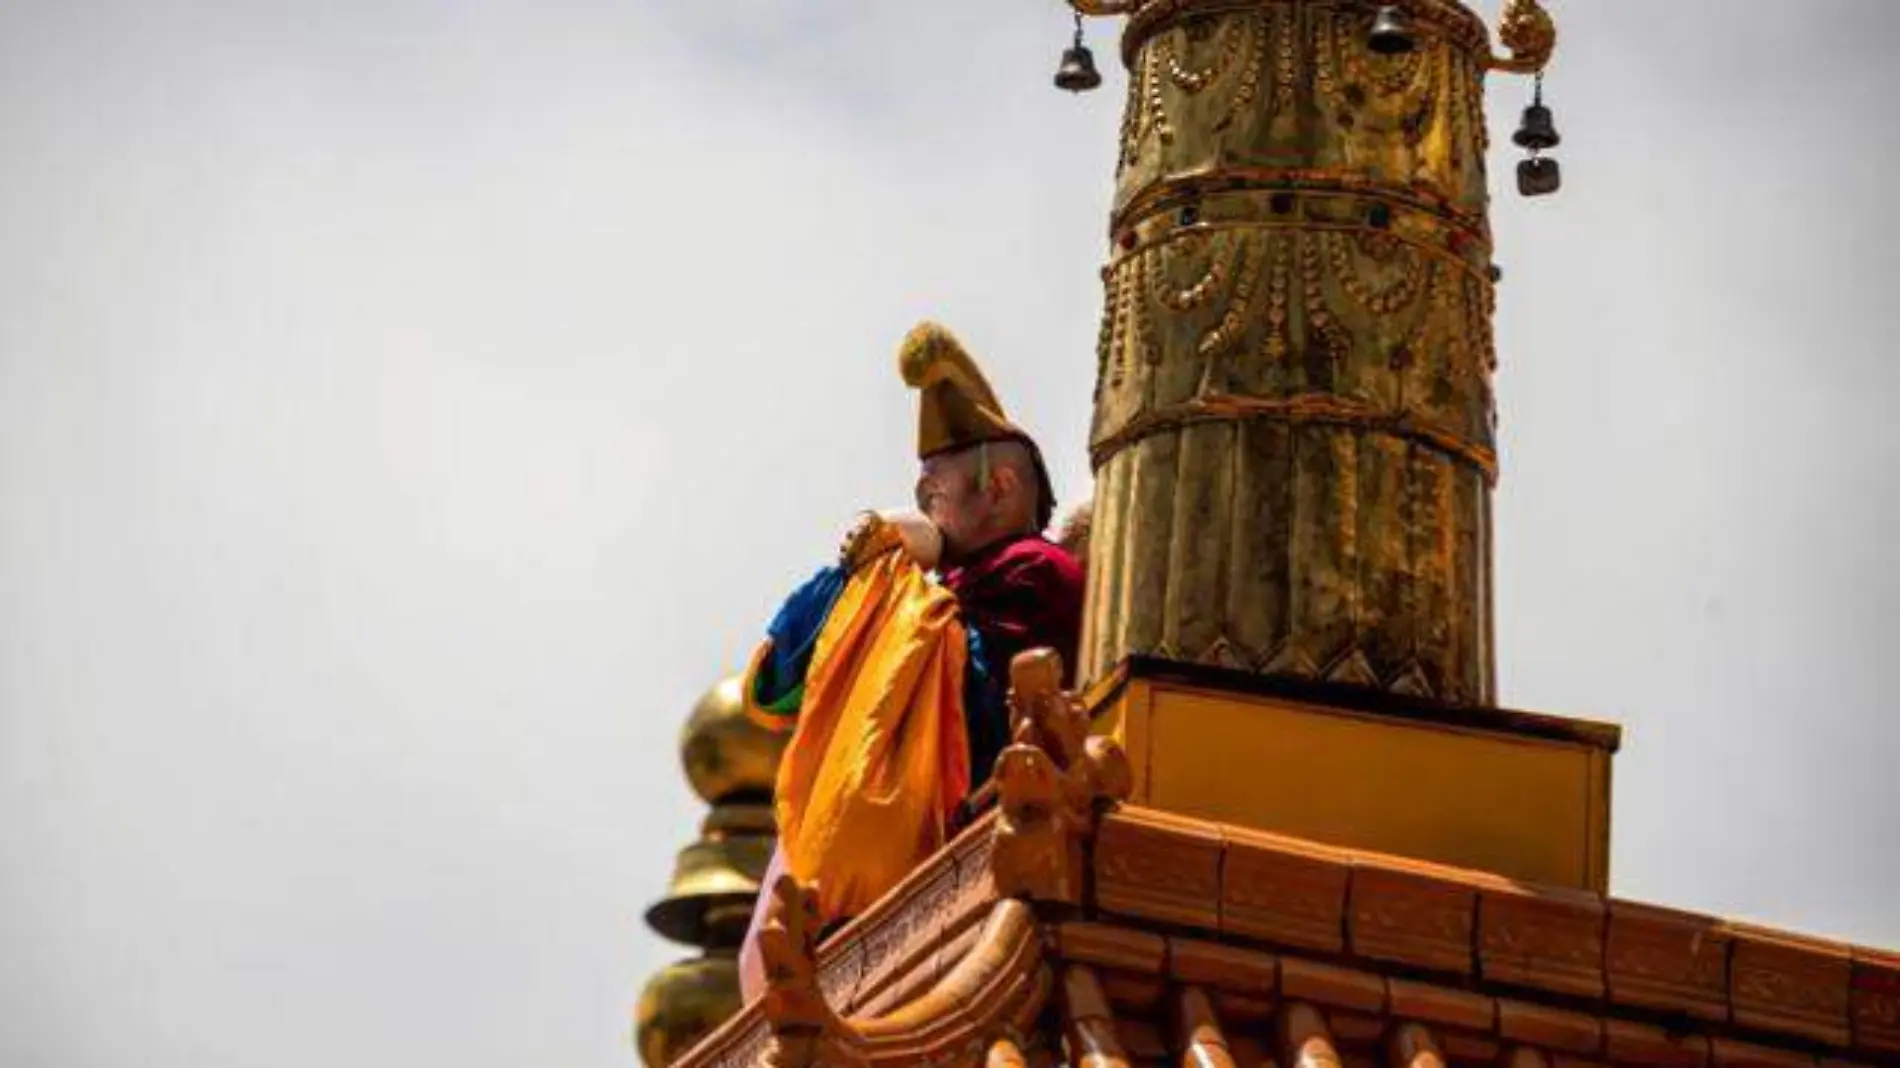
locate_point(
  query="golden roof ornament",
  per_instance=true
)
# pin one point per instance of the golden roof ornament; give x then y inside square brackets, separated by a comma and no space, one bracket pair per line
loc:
[725,754]
[1293,439]
[731,763]
[715,882]
[683,1003]
[1528,31]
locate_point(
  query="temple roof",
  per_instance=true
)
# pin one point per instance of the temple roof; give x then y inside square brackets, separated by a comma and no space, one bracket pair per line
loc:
[1069,928]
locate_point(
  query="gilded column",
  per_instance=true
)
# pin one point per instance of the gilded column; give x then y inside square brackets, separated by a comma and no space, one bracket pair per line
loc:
[1293,430]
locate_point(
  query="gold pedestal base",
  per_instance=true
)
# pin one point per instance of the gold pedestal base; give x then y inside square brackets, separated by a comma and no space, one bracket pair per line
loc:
[1525,796]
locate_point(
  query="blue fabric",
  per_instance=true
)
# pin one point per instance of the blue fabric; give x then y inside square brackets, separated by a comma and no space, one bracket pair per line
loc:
[794,633]
[985,711]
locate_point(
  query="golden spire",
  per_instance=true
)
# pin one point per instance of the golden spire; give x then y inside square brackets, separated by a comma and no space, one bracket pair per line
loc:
[731,763]
[1293,434]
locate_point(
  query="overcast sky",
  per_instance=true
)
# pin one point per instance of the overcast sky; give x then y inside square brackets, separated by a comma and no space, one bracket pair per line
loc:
[407,408]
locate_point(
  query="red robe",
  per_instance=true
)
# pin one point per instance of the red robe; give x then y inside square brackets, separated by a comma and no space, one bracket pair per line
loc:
[1021,593]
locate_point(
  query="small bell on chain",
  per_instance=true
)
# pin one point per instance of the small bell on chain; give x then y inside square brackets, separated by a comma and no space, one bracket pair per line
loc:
[1391,35]
[1538,131]
[1077,74]
[1539,175]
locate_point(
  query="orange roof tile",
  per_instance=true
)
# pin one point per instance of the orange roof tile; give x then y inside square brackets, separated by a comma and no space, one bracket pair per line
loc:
[1135,937]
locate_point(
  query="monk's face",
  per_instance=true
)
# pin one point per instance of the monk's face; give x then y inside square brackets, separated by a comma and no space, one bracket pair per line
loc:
[950,494]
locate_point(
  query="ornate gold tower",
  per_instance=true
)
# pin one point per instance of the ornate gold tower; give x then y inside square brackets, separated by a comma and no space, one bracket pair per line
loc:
[1293,412]
[731,764]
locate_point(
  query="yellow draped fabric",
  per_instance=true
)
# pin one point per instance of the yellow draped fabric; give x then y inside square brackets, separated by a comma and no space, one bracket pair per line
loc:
[879,758]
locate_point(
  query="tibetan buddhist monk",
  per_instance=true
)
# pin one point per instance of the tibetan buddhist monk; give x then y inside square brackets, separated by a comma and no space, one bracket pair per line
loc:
[867,651]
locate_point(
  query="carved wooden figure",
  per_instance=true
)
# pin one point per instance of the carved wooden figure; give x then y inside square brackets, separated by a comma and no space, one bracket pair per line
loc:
[1049,783]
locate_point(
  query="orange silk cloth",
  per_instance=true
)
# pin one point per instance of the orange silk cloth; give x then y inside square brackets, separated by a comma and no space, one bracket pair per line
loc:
[879,758]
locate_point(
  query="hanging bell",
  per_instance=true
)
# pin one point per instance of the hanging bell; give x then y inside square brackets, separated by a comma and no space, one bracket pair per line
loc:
[1391,34]
[1077,74]
[1538,131]
[1539,176]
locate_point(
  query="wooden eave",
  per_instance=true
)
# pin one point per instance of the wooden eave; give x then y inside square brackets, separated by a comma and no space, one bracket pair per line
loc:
[1065,926]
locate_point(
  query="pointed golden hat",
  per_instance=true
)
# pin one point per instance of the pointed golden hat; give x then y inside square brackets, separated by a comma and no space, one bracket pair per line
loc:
[957,409]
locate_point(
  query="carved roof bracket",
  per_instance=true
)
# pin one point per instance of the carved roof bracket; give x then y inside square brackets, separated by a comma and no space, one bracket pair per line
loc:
[979,1010]
[1053,783]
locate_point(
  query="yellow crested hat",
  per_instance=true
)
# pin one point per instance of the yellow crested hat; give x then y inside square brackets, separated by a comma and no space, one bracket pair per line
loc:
[957,409]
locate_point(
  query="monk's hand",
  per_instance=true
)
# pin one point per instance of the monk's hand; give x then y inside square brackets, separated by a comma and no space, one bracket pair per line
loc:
[921,537]
[870,538]
[877,533]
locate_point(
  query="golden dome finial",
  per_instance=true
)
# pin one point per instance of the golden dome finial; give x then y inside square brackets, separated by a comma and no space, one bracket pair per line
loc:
[725,754]
[732,764]
[682,1004]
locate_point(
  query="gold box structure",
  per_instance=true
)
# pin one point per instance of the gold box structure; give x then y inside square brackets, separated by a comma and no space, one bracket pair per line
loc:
[1522,795]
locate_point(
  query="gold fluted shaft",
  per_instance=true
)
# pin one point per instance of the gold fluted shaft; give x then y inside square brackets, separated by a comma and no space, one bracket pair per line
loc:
[1293,431]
